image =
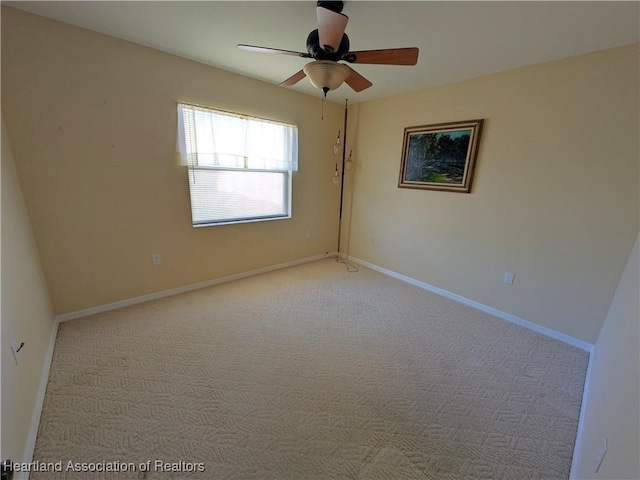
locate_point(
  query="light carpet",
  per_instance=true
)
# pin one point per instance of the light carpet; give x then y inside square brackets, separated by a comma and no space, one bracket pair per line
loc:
[309,372]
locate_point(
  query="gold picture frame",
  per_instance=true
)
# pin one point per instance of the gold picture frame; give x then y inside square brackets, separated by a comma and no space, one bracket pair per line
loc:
[440,156]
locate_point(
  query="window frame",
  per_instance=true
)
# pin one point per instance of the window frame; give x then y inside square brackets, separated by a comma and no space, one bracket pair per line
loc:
[190,159]
[287,180]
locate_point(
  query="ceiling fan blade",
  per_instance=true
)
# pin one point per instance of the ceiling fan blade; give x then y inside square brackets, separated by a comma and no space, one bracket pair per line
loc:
[331,26]
[293,79]
[390,56]
[253,48]
[357,81]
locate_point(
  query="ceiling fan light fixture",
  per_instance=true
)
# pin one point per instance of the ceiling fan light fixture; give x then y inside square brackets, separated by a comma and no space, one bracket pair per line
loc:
[325,74]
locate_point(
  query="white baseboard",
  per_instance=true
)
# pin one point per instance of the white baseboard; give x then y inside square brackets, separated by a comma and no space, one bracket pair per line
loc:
[33,432]
[575,461]
[479,306]
[44,380]
[187,288]
[37,409]
[518,321]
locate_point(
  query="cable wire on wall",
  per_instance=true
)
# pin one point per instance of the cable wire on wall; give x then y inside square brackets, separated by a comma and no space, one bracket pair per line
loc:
[339,258]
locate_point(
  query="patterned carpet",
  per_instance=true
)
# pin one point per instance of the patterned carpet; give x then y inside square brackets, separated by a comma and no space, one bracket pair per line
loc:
[309,372]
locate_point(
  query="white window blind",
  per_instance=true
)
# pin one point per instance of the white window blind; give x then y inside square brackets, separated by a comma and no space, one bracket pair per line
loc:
[239,166]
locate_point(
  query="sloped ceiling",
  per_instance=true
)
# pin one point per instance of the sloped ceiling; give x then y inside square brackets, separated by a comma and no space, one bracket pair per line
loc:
[457,40]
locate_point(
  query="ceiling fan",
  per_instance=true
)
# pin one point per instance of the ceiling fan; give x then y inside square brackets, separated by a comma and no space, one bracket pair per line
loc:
[328,45]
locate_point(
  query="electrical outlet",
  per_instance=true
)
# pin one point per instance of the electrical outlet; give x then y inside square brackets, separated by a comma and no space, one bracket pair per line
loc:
[601,454]
[372,241]
[508,278]
[156,259]
[308,234]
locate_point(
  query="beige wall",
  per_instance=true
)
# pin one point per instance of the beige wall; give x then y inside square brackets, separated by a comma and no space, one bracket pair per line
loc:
[92,122]
[26,316]
[612,403]
[555,196]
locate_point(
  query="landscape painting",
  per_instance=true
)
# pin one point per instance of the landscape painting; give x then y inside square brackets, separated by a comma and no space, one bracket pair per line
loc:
[440,157]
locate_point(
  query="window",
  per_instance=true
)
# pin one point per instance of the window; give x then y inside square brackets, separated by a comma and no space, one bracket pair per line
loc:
[239,166]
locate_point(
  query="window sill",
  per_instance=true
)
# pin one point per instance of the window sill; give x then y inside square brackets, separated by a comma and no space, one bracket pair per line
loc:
[246,220]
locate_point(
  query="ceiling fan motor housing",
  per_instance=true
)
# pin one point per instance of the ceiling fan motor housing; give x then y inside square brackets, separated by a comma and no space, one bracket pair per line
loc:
[319,53]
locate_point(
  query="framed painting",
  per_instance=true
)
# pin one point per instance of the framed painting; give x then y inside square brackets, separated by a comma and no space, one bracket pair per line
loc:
[440,157]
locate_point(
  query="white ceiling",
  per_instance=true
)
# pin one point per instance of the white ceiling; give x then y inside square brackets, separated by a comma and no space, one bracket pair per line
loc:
[457,40]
